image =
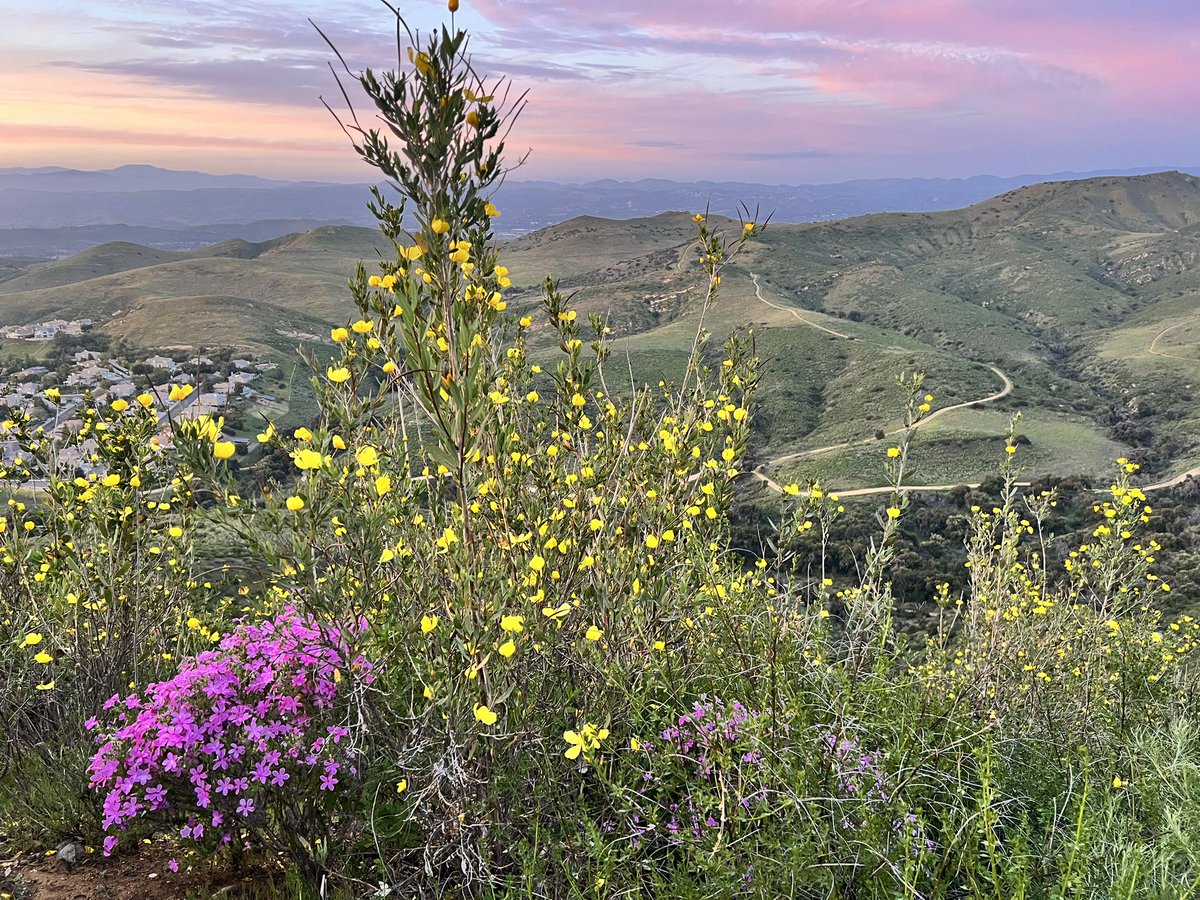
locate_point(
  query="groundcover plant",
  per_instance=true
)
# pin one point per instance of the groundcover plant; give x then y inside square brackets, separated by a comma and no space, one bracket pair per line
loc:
[489,637]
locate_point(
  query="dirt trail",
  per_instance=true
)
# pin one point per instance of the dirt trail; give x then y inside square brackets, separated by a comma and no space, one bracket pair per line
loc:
[1004,391]
[794,313]
[942,488]
[1162,334]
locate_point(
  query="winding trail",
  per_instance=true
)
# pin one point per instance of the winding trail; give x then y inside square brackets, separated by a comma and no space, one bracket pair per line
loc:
[1005,390]
[795,314]
[1172,482]
[943,488]
[1163,334]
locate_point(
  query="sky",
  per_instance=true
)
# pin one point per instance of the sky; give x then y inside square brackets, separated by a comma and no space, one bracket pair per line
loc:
[774,91]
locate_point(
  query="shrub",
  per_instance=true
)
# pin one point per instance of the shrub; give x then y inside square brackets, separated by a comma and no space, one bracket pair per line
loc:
[254,742]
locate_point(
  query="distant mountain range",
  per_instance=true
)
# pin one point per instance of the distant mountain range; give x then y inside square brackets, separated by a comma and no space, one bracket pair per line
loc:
[52,212]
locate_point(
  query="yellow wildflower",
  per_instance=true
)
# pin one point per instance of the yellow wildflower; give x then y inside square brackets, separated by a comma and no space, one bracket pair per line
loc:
[307,459]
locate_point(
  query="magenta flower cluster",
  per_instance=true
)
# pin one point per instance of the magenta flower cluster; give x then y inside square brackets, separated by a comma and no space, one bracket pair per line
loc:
[253,727]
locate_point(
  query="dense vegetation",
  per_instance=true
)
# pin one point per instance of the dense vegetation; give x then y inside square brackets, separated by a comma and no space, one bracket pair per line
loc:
[488,633]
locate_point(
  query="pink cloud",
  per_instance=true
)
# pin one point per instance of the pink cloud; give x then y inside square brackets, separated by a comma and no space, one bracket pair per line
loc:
[779,90]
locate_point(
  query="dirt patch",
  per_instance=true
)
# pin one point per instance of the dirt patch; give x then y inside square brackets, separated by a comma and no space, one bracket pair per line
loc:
[140,875]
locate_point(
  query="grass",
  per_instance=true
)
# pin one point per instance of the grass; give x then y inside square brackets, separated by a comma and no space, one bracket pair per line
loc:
[966,446]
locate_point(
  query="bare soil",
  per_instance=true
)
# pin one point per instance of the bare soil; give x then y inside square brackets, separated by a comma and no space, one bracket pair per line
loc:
[140,874]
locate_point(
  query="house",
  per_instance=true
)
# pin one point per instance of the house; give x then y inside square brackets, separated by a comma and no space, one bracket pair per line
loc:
[161,362]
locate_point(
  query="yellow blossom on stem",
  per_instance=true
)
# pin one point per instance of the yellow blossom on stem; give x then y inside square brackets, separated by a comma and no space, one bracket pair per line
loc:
[307,459]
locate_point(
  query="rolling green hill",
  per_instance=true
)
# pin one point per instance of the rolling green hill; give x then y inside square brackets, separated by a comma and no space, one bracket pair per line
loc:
[1083,296]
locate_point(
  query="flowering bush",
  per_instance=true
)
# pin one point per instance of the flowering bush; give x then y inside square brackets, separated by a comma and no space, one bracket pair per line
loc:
[705,778]
[251,742]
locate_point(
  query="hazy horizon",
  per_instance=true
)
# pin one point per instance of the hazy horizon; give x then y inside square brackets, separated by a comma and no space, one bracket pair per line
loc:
[774,92]
[366,176]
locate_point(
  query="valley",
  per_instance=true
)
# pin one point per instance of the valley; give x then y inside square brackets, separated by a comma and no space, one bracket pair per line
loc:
[1073,303]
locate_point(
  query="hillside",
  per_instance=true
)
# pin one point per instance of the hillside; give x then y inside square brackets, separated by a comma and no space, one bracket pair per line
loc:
[1082,295]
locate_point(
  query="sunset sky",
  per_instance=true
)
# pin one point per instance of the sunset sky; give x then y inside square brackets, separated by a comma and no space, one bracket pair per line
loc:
[779,91]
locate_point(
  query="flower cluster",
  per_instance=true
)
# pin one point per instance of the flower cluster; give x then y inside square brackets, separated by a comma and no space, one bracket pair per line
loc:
[240,739]
[717,755]
[855,771]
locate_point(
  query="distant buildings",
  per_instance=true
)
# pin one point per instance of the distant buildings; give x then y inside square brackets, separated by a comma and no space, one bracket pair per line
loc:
[45,331]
